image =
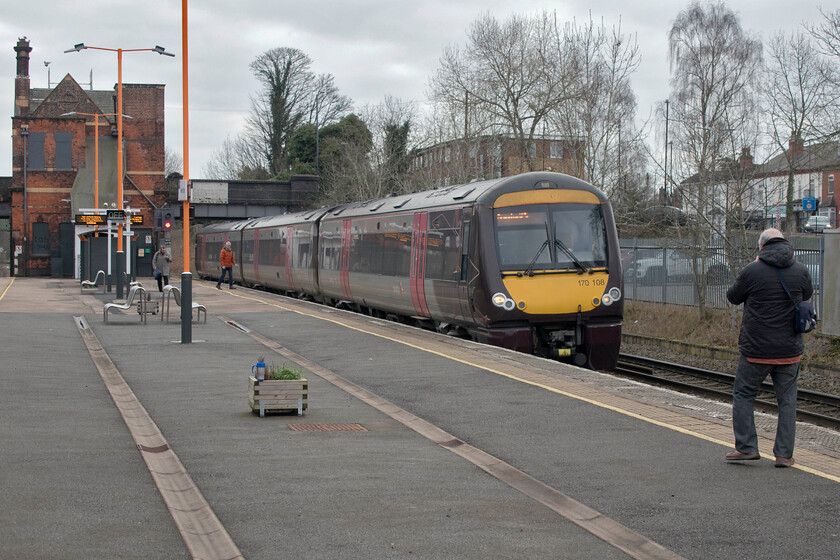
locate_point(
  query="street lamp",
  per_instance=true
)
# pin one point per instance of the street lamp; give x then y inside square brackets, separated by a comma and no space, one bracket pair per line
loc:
[160,50]
[667,106]
[186,275]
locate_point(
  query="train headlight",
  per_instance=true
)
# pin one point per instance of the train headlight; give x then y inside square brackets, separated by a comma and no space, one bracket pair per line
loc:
[501,300]
[612,296]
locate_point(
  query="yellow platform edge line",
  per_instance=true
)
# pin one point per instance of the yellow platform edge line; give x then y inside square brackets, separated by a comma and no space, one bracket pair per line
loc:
[622,411]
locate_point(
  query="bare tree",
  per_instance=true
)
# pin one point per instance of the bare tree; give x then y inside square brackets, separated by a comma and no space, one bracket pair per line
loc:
[237,159]
[291,95]
[828,33]
[799,99]
[508,78]
[603,113]
[714,66]
[172,162]
[827,36]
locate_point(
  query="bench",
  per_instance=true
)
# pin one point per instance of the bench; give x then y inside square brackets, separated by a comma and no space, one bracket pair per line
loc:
[98,282]
[170,292]
[136,293]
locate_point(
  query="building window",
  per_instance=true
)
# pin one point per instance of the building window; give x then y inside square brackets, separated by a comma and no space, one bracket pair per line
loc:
[830,185]
[532,149]
[556,150]
[35,151]
[63,150]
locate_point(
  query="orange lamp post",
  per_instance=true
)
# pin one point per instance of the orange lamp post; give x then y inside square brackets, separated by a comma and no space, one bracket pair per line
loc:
[186,276]
[160,50]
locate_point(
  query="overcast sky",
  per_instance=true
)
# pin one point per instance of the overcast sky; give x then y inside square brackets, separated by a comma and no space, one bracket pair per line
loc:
[372,48]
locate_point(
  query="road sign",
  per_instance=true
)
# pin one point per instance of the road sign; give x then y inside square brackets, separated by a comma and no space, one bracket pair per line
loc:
[809,203]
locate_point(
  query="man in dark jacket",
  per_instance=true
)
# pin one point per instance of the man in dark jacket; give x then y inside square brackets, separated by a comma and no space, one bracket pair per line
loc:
[768,344]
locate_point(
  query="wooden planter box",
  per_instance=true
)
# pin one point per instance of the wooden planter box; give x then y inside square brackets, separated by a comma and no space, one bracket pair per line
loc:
[274,395]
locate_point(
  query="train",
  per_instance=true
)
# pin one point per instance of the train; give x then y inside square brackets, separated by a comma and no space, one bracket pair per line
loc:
[529,262]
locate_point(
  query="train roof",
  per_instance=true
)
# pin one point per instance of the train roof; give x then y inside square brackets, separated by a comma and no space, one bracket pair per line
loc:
[477,191]
[480,191]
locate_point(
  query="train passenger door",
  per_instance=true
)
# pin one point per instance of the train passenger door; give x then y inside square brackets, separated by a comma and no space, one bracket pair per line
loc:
[288,254]
[465,274]
[256,257]
[346,244]
[418,263]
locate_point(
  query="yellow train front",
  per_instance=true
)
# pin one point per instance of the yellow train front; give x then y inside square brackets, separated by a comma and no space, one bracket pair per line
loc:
[529,262]
[548,268]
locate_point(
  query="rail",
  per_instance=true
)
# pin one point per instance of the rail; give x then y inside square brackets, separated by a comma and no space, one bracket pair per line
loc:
[811,406]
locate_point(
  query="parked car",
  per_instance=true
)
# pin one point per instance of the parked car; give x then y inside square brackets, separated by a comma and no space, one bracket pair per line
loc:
[678,267]
[816,224]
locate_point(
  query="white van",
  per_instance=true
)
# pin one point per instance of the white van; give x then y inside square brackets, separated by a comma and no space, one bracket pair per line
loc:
[816,224]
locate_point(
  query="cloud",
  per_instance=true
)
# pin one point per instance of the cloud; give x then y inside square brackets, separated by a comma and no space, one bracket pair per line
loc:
[373,48]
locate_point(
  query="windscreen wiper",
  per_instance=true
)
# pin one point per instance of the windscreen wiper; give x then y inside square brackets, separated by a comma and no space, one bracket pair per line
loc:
[530,270]
[560,245]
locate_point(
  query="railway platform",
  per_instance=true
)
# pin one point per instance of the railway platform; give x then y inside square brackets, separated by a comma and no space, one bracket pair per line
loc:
[121,442]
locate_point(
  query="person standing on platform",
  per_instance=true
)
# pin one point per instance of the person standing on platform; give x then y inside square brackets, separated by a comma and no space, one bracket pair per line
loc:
[160,264]
[768,344]
[226,261]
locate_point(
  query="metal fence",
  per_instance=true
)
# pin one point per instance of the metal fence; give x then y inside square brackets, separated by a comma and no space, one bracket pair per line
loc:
[675,271]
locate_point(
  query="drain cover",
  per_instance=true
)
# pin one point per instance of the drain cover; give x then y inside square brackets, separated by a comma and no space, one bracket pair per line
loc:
[327,428]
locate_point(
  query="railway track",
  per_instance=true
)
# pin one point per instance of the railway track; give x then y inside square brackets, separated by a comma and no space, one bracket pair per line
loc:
[817,408]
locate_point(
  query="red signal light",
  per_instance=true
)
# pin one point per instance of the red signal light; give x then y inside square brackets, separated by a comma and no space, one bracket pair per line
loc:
[167,222]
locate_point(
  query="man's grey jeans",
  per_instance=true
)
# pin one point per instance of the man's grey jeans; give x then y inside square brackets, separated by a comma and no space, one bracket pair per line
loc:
[748,380]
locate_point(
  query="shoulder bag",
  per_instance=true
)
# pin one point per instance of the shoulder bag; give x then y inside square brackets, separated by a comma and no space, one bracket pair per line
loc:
[805,318]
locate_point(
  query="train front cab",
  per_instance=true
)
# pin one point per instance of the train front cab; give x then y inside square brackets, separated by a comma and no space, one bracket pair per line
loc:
[557,287]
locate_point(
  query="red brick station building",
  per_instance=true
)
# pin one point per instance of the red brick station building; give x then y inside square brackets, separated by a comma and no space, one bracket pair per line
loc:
[54,148]
[48,208]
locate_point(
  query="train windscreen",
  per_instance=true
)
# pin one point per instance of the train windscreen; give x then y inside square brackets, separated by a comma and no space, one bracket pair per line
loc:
[551,237]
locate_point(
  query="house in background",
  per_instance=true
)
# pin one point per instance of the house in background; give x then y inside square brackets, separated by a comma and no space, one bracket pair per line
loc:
[488,157]
[816,169]
[755,195]
[55,139]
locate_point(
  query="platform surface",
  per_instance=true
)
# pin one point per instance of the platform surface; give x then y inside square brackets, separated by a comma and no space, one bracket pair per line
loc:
[121,442]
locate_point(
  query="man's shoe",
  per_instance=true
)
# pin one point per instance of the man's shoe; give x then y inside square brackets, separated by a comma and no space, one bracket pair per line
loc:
[783,463]
[218,287]
[738,456]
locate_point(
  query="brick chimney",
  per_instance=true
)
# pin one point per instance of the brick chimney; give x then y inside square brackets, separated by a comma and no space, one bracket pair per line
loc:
[795,146]
[746,159]
[22,78]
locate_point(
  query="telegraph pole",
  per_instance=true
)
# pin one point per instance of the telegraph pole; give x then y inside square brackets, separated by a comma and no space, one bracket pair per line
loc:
[665,191]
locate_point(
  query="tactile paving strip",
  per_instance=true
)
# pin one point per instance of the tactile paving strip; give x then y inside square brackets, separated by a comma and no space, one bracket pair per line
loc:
[327,428]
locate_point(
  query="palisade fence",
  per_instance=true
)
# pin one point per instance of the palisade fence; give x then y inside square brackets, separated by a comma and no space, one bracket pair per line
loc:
[675,271]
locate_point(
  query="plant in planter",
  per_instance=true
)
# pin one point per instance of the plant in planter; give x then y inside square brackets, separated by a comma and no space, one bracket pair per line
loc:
[283,389]
[283,372]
